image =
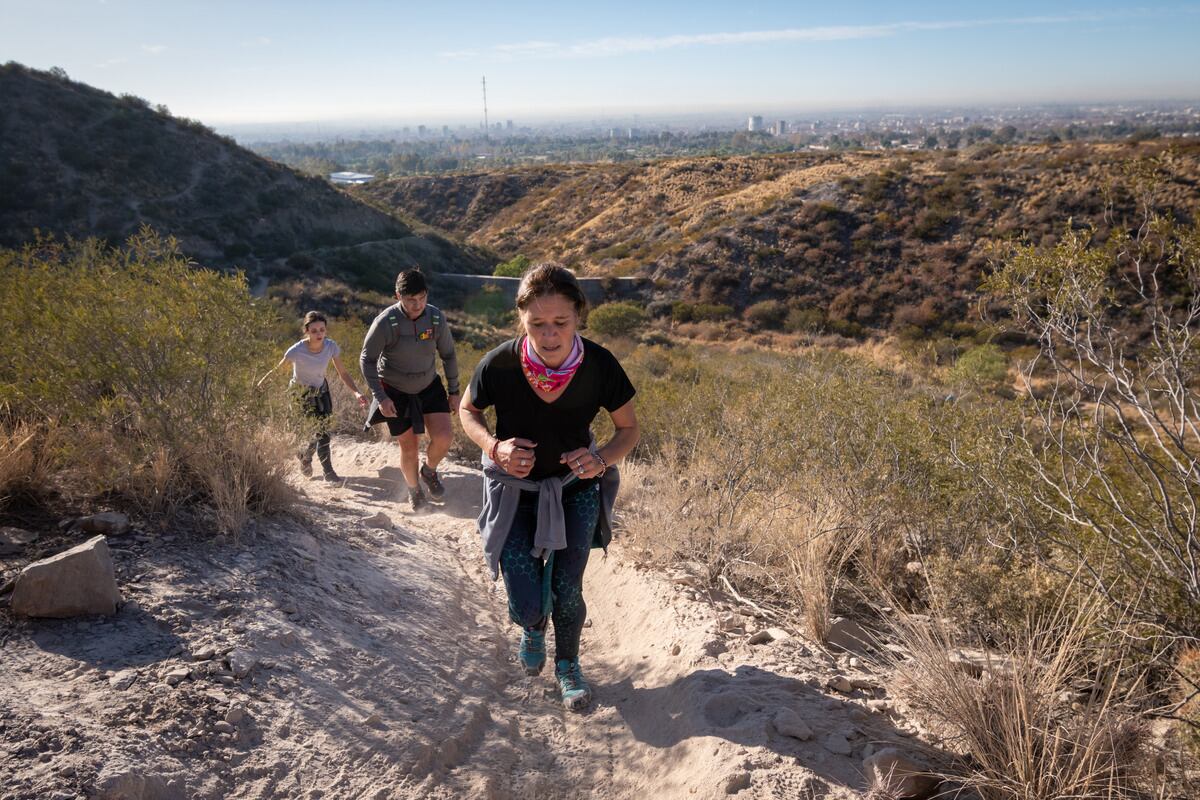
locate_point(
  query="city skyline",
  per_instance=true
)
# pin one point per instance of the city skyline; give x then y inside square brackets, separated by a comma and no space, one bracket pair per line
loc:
[392,63]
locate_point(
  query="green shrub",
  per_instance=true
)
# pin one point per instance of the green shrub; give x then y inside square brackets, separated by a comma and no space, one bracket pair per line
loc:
[513,268]
[148,362]
[624,318]
[767,314]
[805,320]
[981,367]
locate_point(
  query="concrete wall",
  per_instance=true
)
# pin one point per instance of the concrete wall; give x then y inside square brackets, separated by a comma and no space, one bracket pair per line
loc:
[597,290]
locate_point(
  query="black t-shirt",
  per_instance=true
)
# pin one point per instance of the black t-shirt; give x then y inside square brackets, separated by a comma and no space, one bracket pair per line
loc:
[557,427]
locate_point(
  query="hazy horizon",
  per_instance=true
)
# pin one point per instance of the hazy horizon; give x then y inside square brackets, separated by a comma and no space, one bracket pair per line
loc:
[378,64]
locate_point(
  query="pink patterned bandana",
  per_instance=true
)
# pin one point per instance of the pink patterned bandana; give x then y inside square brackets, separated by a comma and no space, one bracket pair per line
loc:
[550,379]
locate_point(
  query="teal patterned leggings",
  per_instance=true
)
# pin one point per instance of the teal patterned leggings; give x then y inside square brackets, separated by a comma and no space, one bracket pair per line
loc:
[530,597]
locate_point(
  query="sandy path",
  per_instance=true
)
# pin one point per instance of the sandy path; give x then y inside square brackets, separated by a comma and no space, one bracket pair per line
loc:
[381,665]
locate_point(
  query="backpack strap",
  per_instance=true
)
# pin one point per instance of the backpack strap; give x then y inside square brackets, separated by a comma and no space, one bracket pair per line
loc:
[435,315]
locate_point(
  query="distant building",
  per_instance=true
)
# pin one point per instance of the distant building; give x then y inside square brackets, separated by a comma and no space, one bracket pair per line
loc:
[612,133]
[350,178]
[634,133]
[446,130]
[508,124]
[421,130]
[755,124]
[781,127]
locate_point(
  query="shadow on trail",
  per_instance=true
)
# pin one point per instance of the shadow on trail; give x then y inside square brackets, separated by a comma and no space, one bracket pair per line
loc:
[740,707]
[131,638]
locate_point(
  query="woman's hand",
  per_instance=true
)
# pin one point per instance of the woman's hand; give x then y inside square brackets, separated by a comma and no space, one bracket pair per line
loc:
[362,399]
[583,462]
[515,456]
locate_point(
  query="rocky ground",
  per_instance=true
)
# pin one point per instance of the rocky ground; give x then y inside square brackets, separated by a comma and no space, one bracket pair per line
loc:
[360,650]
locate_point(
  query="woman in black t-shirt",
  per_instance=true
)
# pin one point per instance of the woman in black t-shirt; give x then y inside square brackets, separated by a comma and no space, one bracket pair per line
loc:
[548,488]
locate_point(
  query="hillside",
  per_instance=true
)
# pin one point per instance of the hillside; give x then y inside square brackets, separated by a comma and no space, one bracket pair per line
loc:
[78,161]
[876,239]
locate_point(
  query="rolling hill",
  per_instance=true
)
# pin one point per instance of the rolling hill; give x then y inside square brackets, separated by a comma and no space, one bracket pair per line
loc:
[77,161]
[876,239]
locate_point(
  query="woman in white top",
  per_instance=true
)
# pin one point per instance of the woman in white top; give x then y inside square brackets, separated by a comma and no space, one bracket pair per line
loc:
[310,359]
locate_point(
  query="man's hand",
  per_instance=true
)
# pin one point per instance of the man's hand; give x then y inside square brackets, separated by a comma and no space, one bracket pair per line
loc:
[454,398]
[387,407]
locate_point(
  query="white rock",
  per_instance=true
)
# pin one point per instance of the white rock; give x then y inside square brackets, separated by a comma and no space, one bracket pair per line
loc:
[223,727]
[177,675]
[840,683]
[846,634]
[241,662]
[380,520]
[129,784]
[789,723]
[205,653]
[122,680]
[836,743]
[235,714]
[892,774]
[75,582]
[760,637]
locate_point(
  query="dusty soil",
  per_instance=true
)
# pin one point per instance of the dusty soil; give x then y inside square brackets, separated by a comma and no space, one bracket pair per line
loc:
[318,657]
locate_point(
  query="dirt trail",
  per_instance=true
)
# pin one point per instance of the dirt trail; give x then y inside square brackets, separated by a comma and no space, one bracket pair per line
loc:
[379,664]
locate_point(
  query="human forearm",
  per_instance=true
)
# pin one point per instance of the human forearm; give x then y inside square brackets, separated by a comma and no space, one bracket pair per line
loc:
[475,425]
[620,445]
[345,376]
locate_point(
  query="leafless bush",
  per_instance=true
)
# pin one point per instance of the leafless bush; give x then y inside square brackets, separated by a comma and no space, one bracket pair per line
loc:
[1113,443]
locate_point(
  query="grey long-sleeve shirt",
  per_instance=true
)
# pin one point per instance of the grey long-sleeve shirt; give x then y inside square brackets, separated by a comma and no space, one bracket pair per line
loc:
[404,351]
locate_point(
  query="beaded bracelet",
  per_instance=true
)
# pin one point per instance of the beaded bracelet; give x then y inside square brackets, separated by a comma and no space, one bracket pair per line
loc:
[603,463]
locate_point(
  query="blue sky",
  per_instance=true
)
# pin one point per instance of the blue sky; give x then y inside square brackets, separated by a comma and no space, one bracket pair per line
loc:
[239,62]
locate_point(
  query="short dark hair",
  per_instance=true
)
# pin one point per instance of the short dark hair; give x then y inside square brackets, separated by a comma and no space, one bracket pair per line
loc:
[311,317]
[550,278]
[411,281]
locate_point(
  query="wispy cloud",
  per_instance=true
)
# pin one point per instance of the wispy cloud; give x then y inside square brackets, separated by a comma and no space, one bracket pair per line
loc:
[621,45]
[154,49]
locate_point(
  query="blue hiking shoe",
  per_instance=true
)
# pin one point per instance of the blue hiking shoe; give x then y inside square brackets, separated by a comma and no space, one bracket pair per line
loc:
[533,651]
[576,693]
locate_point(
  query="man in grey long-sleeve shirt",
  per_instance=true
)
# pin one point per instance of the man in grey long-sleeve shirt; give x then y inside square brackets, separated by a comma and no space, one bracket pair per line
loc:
[399,362]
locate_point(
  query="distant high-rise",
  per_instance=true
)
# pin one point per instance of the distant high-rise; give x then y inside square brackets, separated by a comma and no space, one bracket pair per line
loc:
[508,124]
[445,130]
[755,124]
[421,130]
[781,127]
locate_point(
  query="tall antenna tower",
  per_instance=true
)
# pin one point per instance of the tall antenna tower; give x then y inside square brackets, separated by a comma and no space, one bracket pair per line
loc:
[486,130]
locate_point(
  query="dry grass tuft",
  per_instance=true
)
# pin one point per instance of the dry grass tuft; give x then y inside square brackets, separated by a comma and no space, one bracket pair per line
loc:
[26,460]
[248,477]
[1055,716]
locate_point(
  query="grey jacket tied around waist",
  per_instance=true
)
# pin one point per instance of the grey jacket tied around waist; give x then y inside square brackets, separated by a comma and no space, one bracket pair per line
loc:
[502,492]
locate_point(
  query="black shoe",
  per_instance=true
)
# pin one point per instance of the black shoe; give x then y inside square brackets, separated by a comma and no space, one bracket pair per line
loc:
[305,464]
[430,476]
[331,477]
[417,498]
